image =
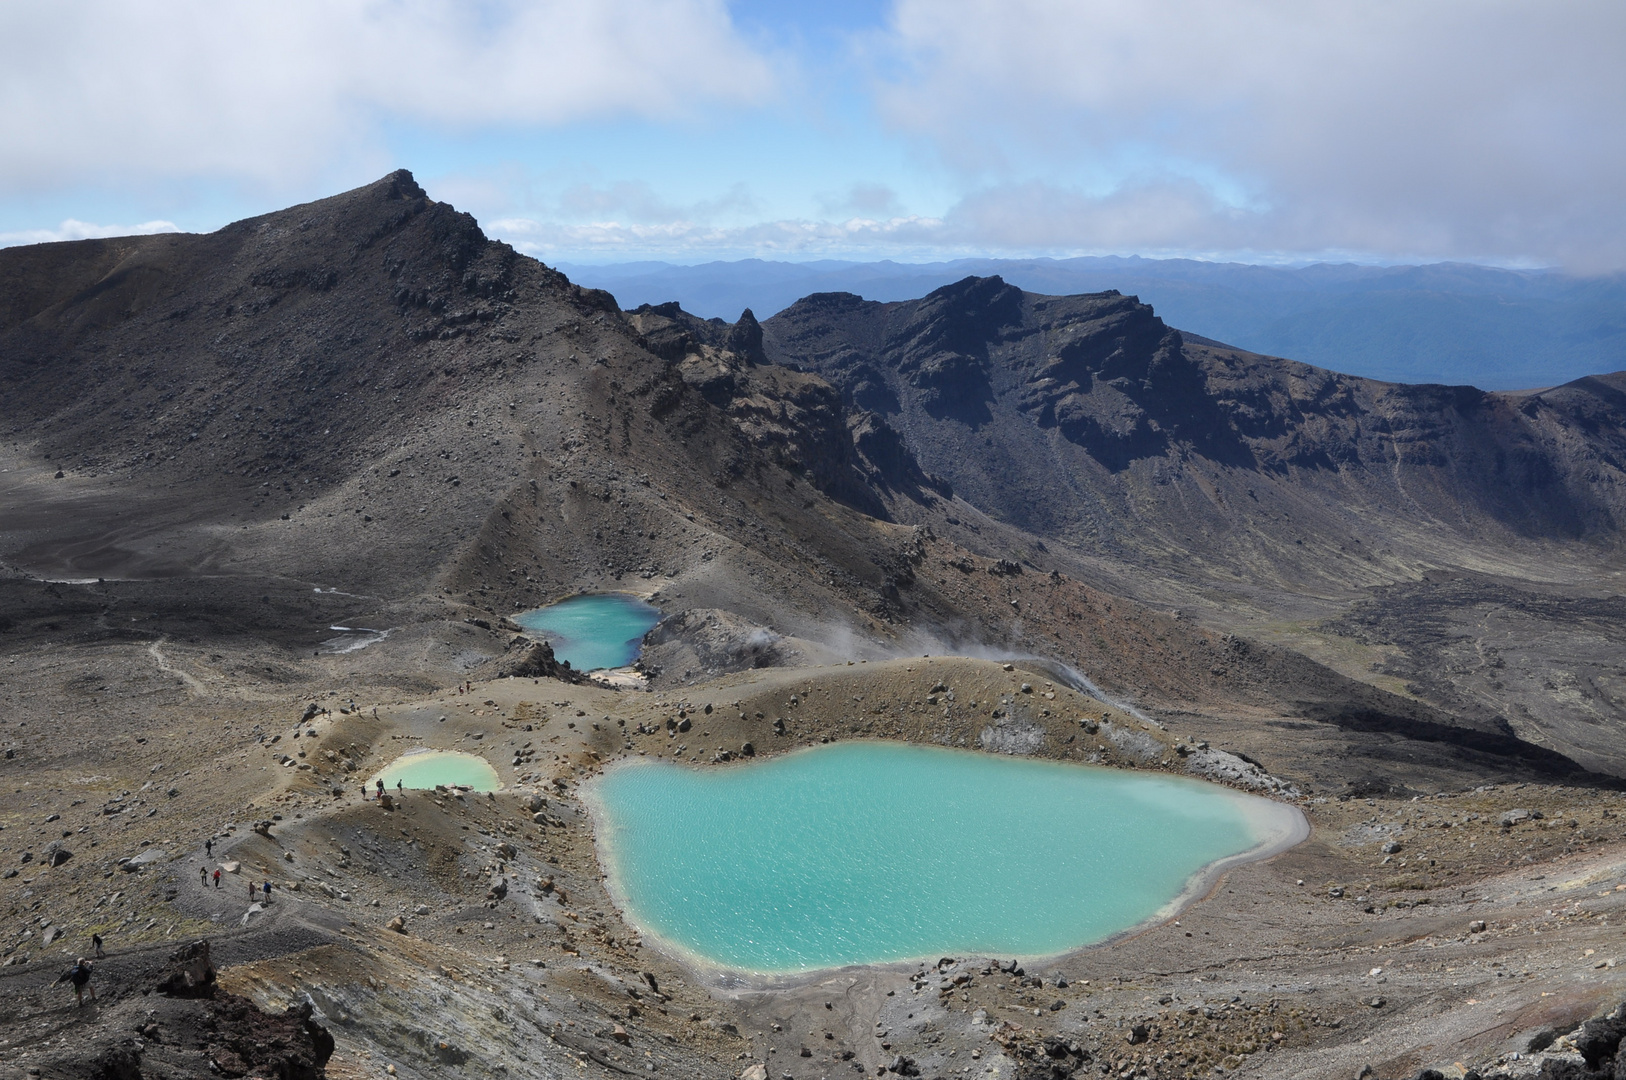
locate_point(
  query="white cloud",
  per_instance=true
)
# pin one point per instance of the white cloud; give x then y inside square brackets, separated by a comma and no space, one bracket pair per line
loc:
[612,240]
[271,93]
[83,230]
[1466,128]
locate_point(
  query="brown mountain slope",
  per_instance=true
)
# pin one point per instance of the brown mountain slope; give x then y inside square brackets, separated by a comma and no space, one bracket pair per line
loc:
[1261,494]
[362,412]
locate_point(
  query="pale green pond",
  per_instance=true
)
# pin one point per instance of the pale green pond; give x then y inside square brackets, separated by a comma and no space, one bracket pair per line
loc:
[445,768]
[869,852]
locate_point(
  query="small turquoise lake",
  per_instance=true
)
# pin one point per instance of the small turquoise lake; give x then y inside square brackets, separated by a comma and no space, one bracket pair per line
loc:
[603,630]
[873,852]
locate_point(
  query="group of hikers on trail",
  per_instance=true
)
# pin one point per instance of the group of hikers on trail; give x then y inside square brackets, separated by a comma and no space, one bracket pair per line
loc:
[253,889]
[399,788]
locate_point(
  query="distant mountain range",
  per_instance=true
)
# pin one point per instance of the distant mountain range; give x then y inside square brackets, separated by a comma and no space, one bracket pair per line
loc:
[1451,323]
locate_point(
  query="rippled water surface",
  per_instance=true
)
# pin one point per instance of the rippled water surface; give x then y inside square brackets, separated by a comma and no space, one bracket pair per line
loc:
[865,852]
[596,631]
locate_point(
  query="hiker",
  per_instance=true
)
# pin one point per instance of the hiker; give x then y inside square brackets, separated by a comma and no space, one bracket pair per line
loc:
[380,783]
[268,890]
[217,879]
[209,848]
[203,876]
[79,976]
[399,787]
[96,943]
[253,892]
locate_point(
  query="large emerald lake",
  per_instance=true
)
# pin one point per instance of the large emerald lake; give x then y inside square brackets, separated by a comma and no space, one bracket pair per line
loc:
[870,852]
[603,630]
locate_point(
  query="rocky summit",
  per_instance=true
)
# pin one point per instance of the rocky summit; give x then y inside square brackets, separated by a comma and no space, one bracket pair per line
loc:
[270,499]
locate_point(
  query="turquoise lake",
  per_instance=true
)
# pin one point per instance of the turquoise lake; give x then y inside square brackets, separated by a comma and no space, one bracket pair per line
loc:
[596,631]
[871,852]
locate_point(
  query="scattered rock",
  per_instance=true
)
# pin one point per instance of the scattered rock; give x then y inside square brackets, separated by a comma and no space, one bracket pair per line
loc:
[1477,926]
[397,924]
[1513,817]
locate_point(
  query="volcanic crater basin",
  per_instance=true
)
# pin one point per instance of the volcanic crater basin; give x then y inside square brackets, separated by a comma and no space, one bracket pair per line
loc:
[869,852]
[593,631]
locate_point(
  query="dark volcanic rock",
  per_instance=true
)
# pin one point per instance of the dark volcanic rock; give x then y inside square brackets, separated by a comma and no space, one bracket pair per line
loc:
[191,973]
[534,660]
[1097,402]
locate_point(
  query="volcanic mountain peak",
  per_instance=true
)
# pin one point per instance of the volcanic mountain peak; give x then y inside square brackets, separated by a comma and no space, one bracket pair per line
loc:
[363,418]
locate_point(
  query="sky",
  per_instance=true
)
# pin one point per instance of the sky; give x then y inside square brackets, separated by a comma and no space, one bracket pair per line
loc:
[590,131]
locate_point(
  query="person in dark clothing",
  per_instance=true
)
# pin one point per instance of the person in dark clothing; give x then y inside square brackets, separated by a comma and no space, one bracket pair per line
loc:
[268,890]
[79,976]
[96,943]
[209,847]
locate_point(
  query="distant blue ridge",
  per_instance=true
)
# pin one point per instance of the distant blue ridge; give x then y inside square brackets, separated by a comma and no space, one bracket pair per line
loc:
[1453,323]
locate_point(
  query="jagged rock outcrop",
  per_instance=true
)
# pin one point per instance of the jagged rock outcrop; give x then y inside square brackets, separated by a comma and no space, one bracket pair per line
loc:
[798,419]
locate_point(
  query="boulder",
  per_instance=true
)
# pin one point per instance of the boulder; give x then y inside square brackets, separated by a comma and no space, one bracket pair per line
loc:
[397,924]
[1393,847]
[1599,1040]
[1513,817]
[506,850]
[136,862]
[757,1071]
[190,974]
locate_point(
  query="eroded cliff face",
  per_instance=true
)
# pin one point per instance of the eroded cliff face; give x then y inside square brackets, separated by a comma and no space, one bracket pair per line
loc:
[1074,414]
